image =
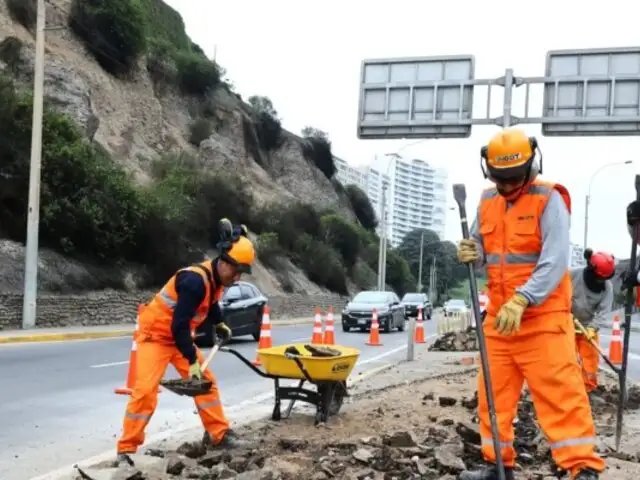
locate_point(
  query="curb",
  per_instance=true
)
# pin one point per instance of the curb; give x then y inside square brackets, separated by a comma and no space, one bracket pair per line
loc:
[62,336]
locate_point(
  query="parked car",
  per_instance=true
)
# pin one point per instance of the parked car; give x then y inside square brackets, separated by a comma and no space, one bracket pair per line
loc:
[242,305]
[455,305]
[358,312]
[411,302]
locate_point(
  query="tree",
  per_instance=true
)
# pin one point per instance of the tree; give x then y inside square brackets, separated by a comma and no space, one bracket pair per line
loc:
[362,207]
[263,105]
[449,272]
[312,132]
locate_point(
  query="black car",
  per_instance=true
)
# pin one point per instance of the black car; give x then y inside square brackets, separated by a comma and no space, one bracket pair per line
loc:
[411,302]
[358,312]
[242,305]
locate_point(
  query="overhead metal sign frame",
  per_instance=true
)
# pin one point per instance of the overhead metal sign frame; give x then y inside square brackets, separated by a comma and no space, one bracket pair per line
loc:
[587,92]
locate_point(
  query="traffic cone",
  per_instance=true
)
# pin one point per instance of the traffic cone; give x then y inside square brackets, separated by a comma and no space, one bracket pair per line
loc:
[615,345]
[265,334]
[317,328]
[131,373]
[374,333]
[329,335]
[419,333]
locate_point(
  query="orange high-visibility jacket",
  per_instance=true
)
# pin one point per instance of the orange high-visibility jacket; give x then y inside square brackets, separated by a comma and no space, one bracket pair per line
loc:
[155,320]
[512,243]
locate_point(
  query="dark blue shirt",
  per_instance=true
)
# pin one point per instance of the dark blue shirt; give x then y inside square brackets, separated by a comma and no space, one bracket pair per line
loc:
[191,290]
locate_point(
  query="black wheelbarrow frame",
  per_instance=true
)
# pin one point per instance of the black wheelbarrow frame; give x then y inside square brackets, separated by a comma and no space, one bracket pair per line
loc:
[327,399]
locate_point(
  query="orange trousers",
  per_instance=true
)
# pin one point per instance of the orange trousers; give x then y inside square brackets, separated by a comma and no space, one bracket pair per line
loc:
[547,361]
[153,360]
[589,360]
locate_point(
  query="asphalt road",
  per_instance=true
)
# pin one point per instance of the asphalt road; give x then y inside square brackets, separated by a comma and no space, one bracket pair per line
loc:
[57,404]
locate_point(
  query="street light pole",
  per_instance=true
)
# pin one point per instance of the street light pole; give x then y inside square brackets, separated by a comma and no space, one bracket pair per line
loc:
[420,264]
[587,198]
[33,213]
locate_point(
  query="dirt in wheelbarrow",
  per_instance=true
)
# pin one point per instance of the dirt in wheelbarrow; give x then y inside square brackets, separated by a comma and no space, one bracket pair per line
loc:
[421,430]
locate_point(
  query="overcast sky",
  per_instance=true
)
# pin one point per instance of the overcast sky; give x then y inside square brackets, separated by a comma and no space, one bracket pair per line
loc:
[306,57]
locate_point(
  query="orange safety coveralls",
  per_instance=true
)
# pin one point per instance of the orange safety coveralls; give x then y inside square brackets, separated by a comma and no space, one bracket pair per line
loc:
[156,350]
[589,359]
[543,351]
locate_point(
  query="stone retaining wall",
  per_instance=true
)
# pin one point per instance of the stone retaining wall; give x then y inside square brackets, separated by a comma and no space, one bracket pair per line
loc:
[114,307]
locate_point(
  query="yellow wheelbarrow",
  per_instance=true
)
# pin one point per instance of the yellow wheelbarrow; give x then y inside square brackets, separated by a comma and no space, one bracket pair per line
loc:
[325,366]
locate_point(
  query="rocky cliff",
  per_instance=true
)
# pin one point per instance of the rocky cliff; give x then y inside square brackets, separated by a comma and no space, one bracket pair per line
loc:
[137,118]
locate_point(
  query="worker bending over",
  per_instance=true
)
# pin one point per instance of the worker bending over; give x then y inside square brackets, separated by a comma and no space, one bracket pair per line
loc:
[165,336]
[592,299]
[521,233]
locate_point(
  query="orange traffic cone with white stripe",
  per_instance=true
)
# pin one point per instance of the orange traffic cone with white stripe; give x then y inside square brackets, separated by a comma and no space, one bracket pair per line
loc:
[265,340]
[316,337]
[419,333]
[329,330]
[132,372]
[374,333]
[615,346]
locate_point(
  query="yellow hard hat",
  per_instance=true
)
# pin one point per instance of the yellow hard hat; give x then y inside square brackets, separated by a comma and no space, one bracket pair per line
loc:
[509,155]
[241,254]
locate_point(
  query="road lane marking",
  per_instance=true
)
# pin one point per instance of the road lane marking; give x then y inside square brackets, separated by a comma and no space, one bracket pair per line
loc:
[111,364]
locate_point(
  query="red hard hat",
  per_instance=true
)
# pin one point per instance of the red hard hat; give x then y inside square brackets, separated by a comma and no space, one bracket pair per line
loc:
[603,264]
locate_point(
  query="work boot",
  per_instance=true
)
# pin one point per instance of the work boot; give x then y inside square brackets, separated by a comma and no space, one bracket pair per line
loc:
[486,473]
[230,440]
[587,474]
[124,459]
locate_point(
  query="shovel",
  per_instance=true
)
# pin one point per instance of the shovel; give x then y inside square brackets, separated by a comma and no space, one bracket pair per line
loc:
[593,343]
[192,387]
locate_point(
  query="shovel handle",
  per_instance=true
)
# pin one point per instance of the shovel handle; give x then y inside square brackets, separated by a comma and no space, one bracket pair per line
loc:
[207,360]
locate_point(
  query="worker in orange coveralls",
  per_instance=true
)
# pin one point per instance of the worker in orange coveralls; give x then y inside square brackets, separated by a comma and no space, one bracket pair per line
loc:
[521,233]
[165,336]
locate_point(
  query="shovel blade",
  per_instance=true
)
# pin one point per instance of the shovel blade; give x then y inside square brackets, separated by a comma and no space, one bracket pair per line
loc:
[187,388]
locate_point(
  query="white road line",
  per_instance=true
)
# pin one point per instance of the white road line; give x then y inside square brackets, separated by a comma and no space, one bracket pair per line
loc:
[364,362]
[112,364]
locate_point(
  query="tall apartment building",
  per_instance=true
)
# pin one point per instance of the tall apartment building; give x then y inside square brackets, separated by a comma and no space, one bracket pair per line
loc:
[416,193]
[576,256]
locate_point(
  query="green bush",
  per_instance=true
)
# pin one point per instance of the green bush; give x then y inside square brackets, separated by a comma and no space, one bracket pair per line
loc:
[114,31]
[165,24]
[289,222]
[11,54]
[200,130]
[161,63]
[197,75]
[268,248]
[398,273]
[267,124]
[343,237]
[321,263]
[362,207]
[23,11]
[317,149]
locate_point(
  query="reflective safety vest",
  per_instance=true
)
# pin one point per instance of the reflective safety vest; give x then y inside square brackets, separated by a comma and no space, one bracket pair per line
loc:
[512,243]
[156,317]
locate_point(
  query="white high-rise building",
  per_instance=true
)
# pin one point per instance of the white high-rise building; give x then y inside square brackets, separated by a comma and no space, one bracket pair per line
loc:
[576,256]
[416,193]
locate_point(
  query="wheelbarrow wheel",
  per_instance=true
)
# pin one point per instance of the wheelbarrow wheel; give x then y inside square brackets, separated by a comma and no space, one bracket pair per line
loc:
[337,399]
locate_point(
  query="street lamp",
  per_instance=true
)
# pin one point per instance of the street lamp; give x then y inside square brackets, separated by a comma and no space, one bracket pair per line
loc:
[587,198]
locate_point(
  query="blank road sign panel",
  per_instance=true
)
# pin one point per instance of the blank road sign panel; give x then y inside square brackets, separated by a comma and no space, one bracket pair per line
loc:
[595,93]
[419,97]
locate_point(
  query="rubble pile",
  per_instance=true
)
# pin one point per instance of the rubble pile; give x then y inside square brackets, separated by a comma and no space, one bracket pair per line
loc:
[425,430]
[463,341]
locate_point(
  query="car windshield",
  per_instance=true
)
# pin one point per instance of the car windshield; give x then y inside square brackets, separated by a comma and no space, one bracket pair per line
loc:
[370,297]
[456,303]
[413,297]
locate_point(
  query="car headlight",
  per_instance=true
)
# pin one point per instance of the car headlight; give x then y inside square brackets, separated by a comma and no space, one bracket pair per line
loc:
[383,310]
[345,310]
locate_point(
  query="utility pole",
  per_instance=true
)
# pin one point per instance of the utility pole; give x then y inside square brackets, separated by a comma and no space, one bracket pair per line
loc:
[382,246]
[33,214]
[420,264]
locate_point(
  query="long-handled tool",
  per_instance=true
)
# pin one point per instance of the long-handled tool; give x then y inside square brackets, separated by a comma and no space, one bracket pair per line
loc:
[628,309]
[193,387]
[460,195]
[581,328]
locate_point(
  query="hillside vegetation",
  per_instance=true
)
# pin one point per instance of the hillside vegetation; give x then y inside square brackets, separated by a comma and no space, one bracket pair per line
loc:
[147,192]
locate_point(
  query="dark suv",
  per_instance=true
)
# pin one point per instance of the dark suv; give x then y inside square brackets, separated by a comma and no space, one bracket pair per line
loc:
[412,301]
[359,311]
